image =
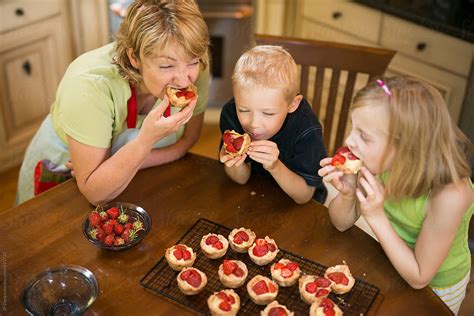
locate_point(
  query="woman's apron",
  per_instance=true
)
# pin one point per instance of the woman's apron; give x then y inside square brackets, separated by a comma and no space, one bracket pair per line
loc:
[44,166]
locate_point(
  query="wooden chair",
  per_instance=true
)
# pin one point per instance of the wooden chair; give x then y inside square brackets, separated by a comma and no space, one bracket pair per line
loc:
[356,63]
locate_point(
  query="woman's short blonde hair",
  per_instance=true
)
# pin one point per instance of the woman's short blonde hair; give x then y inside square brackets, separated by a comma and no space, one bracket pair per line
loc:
[431,151]
[266,66]
[151,25]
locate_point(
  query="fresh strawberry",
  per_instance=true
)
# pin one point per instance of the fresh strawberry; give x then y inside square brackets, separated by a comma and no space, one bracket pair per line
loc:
[97,233]
[292,266]
[94,219]
[211,240]
[109,240]
[322,282]
[119,241]
[237,143]
[104,216]
[238,272]
[260,287]
[138,225]
[225,306]
[113,212]
[229,266]
[339,278]
[108,228]
[311,287]
[123,218]
[277,311]
[129,226]
[118,229]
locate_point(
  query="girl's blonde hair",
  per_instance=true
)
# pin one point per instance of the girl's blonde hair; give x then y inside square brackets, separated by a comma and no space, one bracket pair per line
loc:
[269,67]
[431,151]
[151,25]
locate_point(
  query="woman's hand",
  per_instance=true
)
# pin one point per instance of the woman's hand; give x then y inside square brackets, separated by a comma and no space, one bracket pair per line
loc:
[229,160]
[156,126]
[264,152]
[370,193]
[344,183]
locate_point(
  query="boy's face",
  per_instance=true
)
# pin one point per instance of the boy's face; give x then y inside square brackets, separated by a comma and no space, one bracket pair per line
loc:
[261,111]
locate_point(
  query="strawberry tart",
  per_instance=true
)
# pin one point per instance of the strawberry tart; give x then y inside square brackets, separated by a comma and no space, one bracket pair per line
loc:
[324,307]
[276,309]
[180,256]
[191,281]
[263,251]
[181,97]
[314,288]
[232,273]
[240,239]
[285,272]
[262,290]
[236,144]
[214,246]
[224,303]
[341,278]
[346,161]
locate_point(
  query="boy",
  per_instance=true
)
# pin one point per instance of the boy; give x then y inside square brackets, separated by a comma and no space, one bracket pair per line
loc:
[286,135]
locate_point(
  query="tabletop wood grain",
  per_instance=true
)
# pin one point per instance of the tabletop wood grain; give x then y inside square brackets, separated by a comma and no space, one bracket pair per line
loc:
[46,232]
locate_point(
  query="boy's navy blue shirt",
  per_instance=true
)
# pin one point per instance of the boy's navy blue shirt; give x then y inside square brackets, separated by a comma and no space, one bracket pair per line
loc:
[299,140]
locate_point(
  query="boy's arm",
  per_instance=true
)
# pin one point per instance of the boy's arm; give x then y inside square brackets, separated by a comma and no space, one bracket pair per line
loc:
[293,184]
[235,167]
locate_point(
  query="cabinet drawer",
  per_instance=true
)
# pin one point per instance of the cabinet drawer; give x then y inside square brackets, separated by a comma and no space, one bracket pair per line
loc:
[345,16]
[17,13]
[427,45]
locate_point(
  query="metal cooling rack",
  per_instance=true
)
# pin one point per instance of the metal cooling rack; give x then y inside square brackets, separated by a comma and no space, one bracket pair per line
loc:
[161,279]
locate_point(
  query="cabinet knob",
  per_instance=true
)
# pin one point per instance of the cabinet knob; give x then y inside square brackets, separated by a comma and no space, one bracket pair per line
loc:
[19,12]
[336,15]
[27,67]
[421,46]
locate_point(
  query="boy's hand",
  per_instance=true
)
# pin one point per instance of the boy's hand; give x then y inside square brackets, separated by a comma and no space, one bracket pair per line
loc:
[370,193]
[344,183]
[264,152]
[231,161]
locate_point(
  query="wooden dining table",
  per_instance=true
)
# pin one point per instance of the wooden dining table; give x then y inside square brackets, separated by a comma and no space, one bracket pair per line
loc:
[46,232]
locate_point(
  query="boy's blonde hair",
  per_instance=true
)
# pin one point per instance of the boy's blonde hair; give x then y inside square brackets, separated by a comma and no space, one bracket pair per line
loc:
[431,151]
[266,66]
[151,25]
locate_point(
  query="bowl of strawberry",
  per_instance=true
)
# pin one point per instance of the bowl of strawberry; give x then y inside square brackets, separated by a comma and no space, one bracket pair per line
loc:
[116,226]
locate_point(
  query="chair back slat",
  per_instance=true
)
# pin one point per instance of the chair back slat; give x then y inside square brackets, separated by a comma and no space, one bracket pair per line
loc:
[341,59]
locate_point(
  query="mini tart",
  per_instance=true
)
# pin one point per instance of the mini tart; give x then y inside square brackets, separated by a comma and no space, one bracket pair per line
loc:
[274,308]
[285,272]
[236,144]
[191,281]
[180,256]
[341,278]
[181,97]
[224,303]
[240,239]
[314,288]
[324,307]
[233,273]
[214,246]
[262,290]
[346,161]
[263,251]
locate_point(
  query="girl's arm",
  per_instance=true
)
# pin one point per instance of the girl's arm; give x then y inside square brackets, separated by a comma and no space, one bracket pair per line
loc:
[444,212]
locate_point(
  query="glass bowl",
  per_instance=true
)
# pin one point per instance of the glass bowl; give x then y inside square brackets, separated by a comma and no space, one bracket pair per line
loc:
[64,290]
[133,212]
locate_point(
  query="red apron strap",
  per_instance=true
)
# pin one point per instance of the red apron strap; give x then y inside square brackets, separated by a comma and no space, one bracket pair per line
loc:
[132,109]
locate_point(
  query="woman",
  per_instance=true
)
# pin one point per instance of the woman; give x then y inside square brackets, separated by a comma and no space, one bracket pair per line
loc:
[111,116]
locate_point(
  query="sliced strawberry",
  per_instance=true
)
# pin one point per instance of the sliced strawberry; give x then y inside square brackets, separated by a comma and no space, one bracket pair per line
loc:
[322,282]
[218,245]
[189,95]
[271,247]
[222,296]
[322,292]
[225,306]
[343,150]
[186,255]
[211,240]
[286,273]
[238,240]
[230,148]
[260,251]
[227,138]
[243,235]
[278,266]
[351,156]
[292,266]
[260,287]
[338,160]
[184,275]
[311,287]
[178,253]
[194,279]
[238,272]
[260,242]
[231,299]
[329,311]
[325,302]
[277,311]
[271,287]
[237,143]
[229,266]
[339,278]
[180,247]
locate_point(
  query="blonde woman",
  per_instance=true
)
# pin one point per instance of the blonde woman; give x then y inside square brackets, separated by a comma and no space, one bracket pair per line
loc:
[111,116]
[414,190]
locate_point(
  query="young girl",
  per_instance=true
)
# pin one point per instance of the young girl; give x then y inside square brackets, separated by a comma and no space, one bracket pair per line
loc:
[414,190]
